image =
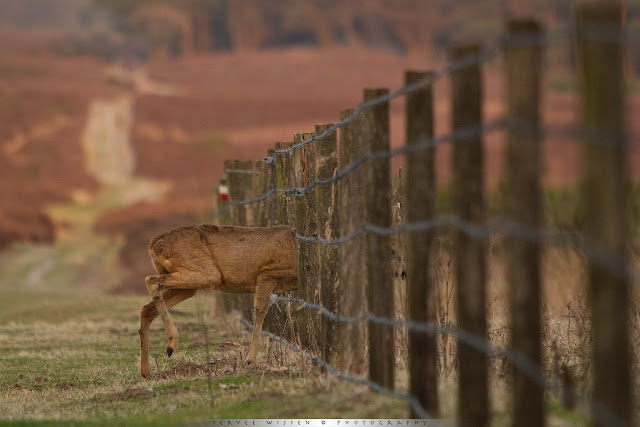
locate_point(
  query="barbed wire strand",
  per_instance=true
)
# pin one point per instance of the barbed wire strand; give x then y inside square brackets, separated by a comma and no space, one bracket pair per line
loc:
[570,239]
[240,171]
[517,358]
[468,61]
[420,411]
[459,135]
[486,54]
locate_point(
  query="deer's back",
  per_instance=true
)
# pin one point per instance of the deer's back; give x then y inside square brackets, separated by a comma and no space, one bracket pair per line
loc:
[239,253]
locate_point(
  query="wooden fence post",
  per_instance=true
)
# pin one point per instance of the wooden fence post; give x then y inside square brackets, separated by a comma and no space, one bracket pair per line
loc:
[259,189]
[304,172]
[271,183]
[470,253]
[275,320]
[420,196]
[280,208]
[241,188]
[230,165]
[375,130]
[328,210]
[223,217]
[351,284]
[605,195]
[523,205]
[284,181]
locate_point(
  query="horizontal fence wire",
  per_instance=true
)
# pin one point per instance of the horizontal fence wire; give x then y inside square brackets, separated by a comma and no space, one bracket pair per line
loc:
[515,357]
[485,55]
[598,32]
[458,135]
[567,239]
[594,252]
[596,137]
[318,361]
[481,57]
[510,123]
[240,171]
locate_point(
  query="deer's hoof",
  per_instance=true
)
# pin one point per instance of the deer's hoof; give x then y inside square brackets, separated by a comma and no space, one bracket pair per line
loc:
[169,351]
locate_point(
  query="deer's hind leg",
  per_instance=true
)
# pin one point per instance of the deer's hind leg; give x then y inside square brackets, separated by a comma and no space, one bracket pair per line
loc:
[177,280]
[148,312]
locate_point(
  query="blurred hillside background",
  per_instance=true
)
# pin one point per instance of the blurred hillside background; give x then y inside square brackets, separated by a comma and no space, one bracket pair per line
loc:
[116,115]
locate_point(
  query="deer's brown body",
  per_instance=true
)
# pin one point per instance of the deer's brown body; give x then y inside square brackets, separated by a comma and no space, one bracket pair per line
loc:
[258,260]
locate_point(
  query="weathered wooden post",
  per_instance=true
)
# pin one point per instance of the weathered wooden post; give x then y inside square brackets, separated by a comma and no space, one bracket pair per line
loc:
[271,184]
[223,217]
[304,172]
[327,215]
[280,208]
[259,189]
[275,320]
[470,253]
[284,178]
[605,195]
[375,135]
[230,165]
[420,197]
[240,175]
[351,286]
[523,201]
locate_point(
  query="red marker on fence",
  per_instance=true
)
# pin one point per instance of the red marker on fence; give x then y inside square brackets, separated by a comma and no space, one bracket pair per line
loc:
[223,192]
[222,209]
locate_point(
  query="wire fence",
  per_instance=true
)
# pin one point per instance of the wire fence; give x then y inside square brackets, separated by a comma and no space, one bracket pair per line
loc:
[317,361]
[607,257]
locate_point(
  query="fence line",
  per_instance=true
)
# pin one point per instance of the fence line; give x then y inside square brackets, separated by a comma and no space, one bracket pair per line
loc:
[498,124]
[333,371]
[498,224]
[484,55]
[518,359]
[593,251]
[596,32]
[606,259]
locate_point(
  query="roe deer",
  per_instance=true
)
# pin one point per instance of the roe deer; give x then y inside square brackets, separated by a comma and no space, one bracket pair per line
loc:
[258,260]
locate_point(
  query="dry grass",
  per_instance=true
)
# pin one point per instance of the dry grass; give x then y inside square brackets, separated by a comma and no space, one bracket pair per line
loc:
[566,321]
[86,368]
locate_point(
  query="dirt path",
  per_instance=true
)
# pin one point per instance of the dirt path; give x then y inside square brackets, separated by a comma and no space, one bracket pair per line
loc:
[80,258]
[107,140]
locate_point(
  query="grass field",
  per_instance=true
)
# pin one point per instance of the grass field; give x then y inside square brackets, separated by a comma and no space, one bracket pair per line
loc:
[76,358]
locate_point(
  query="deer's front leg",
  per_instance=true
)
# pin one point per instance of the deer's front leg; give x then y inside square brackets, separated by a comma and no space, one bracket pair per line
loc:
[264,288]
